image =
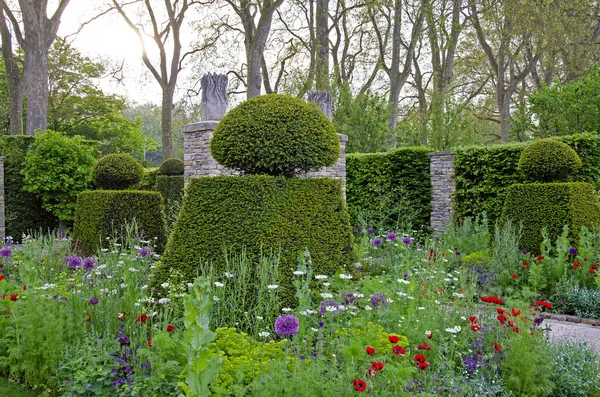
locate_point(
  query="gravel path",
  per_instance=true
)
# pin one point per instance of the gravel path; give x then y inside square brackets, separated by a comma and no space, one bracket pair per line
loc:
[573,331]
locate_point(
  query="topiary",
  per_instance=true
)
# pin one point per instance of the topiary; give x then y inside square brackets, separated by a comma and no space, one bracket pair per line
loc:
[171,167]
[275,135]
[117,172]
[549,161]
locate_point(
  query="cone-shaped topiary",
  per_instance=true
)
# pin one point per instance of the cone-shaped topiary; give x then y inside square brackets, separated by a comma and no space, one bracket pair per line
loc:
[275,135]
[171,167]
[549,160]
[117,172]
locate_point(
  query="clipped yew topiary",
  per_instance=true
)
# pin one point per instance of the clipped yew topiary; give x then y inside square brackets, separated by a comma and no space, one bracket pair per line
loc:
[275,135]
[549,160]
[260,212]
[117,172]
[171,167]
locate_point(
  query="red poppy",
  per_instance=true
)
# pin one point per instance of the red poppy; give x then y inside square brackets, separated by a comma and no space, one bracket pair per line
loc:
[170,328]
[595,267]
[359,385]
[13,297]
[88,318]
[24,287]
[475,328]
[501,318]
[500,310]
[1,277]
[149,342]
[142,318]
[592,271]
[516,330]
[523,268]
[515,312]
[441,291]
[377,365]
[472,320]
[575,265]
[370,350]
[430,335]
[492,299]
[539,257]
[511,323]
[393,338]
[514,276]
[497,347]
[585,259]
[398,350]
[423,366]
[525,263]
[424,346]
[420,358]
[544,303]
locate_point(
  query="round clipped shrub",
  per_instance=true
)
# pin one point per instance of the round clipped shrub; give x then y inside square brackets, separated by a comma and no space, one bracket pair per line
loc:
[549,160]
[117,172]
[171,167]
[275,135]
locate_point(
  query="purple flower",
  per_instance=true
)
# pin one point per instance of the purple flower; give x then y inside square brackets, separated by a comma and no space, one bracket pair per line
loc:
[391,236]
[573,251]
[524,252]
[89,264]
[378,299]
[377,242]
[74,261]
[407,240]
[405,276]
[93,301]
[144,252]
[287,324]
[349,298]
[370,230]
[124,340]
[6,252]
[321,324]
[329,307]
[538,321]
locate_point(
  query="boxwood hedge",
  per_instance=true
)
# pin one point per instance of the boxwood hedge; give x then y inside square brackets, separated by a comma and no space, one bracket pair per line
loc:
[260,212]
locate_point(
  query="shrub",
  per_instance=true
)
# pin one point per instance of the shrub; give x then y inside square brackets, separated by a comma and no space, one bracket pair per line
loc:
[260,213]
[276,135]
[171,167]
[577,369]
[24,211]
[551,206]
[584,302]
[171,189]
[56,169]
[148,181]
[117,172]
[100,213]
[548,161]
[376,183]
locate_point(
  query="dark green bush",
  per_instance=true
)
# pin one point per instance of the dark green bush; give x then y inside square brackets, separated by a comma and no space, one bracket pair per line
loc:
[275,135]
[171,167]
[376,183]
[24,210]
[548,160]
[260,212]
[148,181]
[99,213]
[117,172]
[551,205]
[171,188]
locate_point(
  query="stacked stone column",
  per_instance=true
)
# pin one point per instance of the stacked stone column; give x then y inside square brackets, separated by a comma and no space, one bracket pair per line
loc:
[442,181]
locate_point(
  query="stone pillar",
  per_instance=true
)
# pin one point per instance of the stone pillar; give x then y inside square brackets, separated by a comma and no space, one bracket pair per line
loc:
[442,181]
[2,208]
[336,171]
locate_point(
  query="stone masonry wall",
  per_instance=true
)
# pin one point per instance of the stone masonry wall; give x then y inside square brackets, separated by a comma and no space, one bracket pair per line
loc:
[442,181]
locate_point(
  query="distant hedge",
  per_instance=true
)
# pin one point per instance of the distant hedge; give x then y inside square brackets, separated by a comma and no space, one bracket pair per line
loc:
[171,189]
[551,205]
[260,212]
[148,181]
[24,210]
[376,182]
[100,212]
[483,173]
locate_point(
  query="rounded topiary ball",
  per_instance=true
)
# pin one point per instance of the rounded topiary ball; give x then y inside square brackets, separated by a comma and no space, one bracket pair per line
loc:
[549,160]
[171,167]
[275,135]
[117,172]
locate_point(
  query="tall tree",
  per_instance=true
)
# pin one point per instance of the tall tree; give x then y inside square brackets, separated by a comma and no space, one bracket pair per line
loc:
[322,44]
[35,38]
[15,81]
[169,65]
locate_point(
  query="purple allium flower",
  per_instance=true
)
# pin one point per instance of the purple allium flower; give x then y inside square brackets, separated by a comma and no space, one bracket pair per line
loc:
[6,252]
[377,242]
[573,251]
[89,264]
[407,240]
[370,230]
[524,252]
[329,307]
[74,261]
[405,276]
[378,299]
[391,236]
[144,252]
[124,340]
[93,301]
[287,324]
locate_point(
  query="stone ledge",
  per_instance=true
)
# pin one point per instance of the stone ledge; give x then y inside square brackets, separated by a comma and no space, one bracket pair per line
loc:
[207,125]
[571,319]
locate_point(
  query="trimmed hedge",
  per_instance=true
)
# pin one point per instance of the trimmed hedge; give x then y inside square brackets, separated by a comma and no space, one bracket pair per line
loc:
[377,180]
[148,181]
[548,160]
[551,205]
[100,212]
[117,172]
[260,212]
[171,167]
[483,173]
[276,135]
[24,210]
[170,187]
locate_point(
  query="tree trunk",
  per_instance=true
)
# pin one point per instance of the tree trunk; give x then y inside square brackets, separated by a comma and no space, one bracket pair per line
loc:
[254,76]
[36,57]
[14,76]
[322,42]
[166,118]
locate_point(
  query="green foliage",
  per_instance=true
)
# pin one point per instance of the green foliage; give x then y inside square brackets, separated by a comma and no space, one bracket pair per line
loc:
[548,161]
[171,188]
[584,302]
[148,181]
[99,213]
[8,388]
[477,258]
[171,167]
[24,211]
[260,213]
[577,369]
[376,183]
[550,206]
[483,173]
[56,169]
[117,172]
[275,135]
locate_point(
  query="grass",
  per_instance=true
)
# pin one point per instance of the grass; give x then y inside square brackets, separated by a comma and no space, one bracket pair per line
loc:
[7,388]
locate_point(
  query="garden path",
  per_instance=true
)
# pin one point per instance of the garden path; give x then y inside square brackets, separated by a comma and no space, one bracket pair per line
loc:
[575,332]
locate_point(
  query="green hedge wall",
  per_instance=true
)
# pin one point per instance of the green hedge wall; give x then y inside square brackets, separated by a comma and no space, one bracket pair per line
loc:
[483,173]
[100,212]
[254,211]
[551,205]
[376,181]
[24,210]
[148,181]
[170,187]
